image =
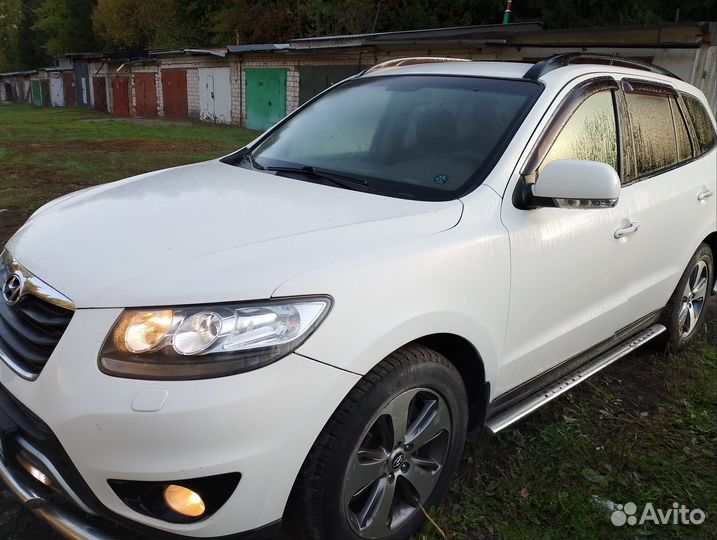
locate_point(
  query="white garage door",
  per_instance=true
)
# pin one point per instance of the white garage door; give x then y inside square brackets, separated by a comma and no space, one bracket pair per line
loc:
[57,93]
[215,95]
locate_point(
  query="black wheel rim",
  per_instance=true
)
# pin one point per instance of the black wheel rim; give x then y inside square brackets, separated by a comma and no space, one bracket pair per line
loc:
[397,464]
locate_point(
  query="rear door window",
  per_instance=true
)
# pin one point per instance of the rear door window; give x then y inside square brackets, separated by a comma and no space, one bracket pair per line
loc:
[704,130]
[653,132]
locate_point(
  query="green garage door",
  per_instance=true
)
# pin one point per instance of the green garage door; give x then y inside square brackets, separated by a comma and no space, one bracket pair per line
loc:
[265,97]
[36,94]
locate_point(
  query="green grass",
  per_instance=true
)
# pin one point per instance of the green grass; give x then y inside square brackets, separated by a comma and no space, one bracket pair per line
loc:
[644,430]
[47,152]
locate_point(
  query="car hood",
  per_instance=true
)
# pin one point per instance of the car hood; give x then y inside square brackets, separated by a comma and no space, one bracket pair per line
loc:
[209,232]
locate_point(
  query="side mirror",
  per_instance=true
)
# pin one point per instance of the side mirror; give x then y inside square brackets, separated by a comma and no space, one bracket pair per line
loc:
[567,183]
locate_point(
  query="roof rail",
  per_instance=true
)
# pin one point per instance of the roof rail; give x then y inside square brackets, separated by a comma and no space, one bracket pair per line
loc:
[410,61]
[564,59]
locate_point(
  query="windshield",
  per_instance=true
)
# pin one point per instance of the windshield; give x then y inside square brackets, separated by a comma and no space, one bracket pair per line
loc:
[422,137]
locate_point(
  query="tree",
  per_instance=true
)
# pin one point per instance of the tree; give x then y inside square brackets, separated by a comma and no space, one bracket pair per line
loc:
[580,13]
[334,17]
[255,21]
[32,30]
[140,24]
[29,53]
[66,25]
[9,21]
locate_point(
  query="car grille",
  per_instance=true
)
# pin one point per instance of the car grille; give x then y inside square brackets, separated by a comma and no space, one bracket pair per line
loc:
[29,330]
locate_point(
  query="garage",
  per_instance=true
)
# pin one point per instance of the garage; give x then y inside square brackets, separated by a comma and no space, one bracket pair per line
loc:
[36,93]
[57,91]
[68,85]
[215,95]
[145,89]
[315,79]
[174,94]
[265,97]
[99,92]
[82,83]
[120,96]
[45,91]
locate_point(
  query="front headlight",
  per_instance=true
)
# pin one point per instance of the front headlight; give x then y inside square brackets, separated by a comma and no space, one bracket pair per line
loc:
[200,342]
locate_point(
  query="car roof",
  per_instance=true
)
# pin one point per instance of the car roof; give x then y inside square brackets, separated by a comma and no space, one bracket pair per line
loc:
[556,78]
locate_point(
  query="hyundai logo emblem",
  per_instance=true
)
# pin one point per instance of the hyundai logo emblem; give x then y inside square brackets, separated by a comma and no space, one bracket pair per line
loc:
[397,461]
[12,289]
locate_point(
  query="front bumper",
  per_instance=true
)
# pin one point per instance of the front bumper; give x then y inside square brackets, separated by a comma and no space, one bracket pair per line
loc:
[261,424]
[64,522]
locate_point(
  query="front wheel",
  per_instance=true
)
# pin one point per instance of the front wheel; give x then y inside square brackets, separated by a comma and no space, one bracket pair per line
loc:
[391,447]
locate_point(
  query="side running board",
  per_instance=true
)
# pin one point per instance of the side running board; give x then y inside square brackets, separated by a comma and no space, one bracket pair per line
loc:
[523,408]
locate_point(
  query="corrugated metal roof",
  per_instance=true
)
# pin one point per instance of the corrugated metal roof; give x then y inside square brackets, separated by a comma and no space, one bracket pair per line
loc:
[427,33]
[83,55]
[524,34]
[259,47]
[213,51]
[18,73]
[221,52]
[54,68]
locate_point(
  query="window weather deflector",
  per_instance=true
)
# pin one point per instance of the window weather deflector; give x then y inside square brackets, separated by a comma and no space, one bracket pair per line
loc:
[636,86]
[559,118]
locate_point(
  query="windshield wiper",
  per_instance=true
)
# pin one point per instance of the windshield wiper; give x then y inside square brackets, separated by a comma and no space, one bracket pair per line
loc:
[339,179]
[252,161]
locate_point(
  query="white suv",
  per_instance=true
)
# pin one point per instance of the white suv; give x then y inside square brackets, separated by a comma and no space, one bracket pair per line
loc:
[306,329]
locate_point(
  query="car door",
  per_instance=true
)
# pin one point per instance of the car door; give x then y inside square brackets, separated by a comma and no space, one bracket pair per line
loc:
[663,196]
[566,264]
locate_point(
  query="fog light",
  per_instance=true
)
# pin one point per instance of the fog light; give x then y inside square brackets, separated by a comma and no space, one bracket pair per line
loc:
[176,500]
[184,501]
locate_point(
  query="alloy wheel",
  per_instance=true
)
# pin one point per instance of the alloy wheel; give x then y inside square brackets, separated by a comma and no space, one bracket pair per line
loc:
[693,298]
[397,464]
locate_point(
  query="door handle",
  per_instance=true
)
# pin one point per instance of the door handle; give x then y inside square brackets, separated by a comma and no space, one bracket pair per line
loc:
[627,230]
[706,194]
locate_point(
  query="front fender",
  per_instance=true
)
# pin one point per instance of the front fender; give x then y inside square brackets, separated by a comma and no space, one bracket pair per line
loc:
[456,282]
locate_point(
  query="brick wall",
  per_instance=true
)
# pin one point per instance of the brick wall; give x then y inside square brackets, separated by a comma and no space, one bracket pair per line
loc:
[192,64]
[193,93]
[291,62]
[292,90]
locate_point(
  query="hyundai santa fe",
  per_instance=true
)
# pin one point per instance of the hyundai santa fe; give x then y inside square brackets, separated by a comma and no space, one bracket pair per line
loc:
[301,334]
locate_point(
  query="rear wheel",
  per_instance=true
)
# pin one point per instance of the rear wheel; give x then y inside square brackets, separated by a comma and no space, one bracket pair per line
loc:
[391,447]
[685,312]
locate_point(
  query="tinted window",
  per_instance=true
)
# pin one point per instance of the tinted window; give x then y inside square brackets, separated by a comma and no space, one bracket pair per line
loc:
[704,129]
[653,132]
[684,147]
[589,134]
[425,137]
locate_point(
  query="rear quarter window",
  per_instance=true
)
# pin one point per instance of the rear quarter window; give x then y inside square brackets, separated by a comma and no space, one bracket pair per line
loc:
[704,130]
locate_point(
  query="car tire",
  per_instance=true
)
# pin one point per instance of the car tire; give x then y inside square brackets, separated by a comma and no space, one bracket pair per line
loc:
[685,312]
[363,477]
